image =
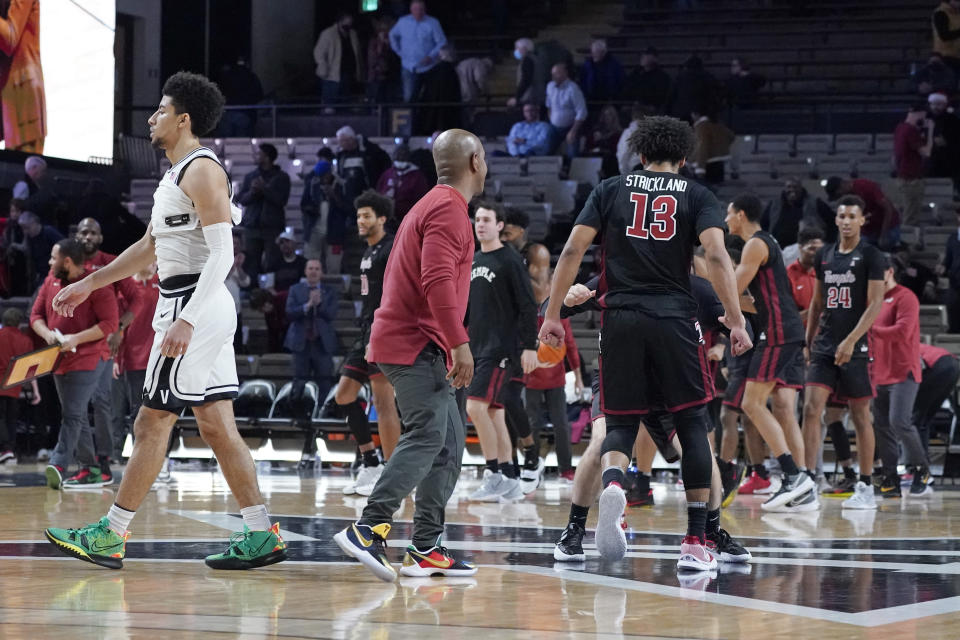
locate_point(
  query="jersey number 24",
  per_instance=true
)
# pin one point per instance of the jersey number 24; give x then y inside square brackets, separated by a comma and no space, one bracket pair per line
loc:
[839,297]
[663,225]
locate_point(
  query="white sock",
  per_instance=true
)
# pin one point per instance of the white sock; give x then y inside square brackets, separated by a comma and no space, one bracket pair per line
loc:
[256,517]
[119,519]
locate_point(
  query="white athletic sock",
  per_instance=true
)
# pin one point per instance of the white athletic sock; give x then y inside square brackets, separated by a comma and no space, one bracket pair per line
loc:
[256,517]
[119,519]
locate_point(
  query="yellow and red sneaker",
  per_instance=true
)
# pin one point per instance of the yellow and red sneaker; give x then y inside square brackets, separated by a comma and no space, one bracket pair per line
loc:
[435,561]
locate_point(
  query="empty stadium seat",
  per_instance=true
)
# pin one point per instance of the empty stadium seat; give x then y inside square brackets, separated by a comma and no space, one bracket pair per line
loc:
[276,365]
[935,238]
[246,366]
[775,143]
[883,144]
[814,144]
[504,166]
[586,170]
[855,143]
[255,399]
[933,319]
[288,407]
[544,164]
[948,341]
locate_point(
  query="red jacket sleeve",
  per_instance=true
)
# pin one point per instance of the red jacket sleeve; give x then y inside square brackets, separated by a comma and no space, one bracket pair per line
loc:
[573,356]
[104,307]
[907,315]
[39,311]
[442,247]
[132,295]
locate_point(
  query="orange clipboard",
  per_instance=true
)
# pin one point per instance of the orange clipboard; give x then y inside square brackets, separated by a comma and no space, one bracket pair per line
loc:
[31,366]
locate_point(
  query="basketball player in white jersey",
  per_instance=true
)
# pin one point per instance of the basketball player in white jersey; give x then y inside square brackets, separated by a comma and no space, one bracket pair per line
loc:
[192,362]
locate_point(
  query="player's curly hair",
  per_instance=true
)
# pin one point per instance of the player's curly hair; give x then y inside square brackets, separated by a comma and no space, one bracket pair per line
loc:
[382,205]
[662,139]
[196,95]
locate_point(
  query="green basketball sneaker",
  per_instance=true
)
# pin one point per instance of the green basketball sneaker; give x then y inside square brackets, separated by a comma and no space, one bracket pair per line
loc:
[251,549]
[94,543]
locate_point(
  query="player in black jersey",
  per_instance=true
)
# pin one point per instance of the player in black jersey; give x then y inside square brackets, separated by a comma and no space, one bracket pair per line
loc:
[501,314]
[776,363]
[847,298]
[651,347]
[373,212]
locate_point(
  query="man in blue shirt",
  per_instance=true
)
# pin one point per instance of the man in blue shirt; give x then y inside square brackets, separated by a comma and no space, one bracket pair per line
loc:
[530,136]
[417,39]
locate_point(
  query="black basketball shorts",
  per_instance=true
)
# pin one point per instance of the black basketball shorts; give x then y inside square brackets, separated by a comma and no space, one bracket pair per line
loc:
[851,381]
[782,364]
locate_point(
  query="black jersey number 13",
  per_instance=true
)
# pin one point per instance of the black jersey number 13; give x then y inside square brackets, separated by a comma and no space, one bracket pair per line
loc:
[663,225]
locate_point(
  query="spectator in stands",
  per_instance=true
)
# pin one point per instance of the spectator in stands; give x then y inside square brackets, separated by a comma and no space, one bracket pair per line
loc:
[101,205]
[603,138]
[950,267]
[360,163]
[83,349]
[627,158]
[883,221]
[602,76]
[795,207]
[523,52]
[940,373]
[240,86]
[743,85]
[423,158]
[531,136]
[264,196]
[34,170]
[237,281]
[440,85]
[404,182]
[712,148]
[912,142]
[337,54]
[935,76]
[549,54]
[14,252]
[649,84]
[323,196]
[945,153]
[13,343]
[695,90]
[311,201]
[946,32]
[273,307]
[285,268]
[802,272]
[417,39]
[915,275]
[40,239]
[311,309]
[567,109]
[474,74]
[383,65]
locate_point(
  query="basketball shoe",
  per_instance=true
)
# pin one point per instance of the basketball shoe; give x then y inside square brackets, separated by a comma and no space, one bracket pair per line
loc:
[611,539]
[95,543]
[862,498]
[920,486]
[694,555]
[890,487]
[792,488]
[435,561]
[723,547]
[86,478]
[54,474]
[251,549]
[755,484]
[569,547]
[731,475]
[490,489]
[368,545]
[367,479]
[530,479]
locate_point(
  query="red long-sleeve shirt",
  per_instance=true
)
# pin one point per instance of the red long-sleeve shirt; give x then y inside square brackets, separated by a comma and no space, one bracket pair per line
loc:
[802,281]
[127,287]
[138,338]
[895,338]
[555,377]
[99,309]
[930,354]
[13,343]
[427,282]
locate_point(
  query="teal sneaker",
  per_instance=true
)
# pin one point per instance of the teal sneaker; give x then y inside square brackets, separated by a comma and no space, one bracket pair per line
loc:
[251,549]
[95,543]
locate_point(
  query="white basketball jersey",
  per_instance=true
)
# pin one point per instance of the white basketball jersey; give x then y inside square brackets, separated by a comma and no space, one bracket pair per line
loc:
[180,246]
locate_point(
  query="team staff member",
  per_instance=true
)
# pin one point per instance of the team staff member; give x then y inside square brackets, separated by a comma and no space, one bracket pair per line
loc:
[374,211]
[85,353]
[940,374]
[130,367]
[417,333]
[849,294]
[128,296]
[501,314]
[895,338]
[13,343]
[802,272]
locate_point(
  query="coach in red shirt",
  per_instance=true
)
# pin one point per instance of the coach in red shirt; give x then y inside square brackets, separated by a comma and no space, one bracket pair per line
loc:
[417,330]
[84,350]
[802,273]
[13,343]
[130,365]
[895,338]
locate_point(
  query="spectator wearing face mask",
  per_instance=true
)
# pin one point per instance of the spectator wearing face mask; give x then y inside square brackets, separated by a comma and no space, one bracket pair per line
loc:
[337,54]
[404,182]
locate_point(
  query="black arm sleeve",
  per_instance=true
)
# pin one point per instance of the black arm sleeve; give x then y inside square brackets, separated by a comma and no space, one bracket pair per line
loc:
[525,303]
[589,305]
[942,24]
